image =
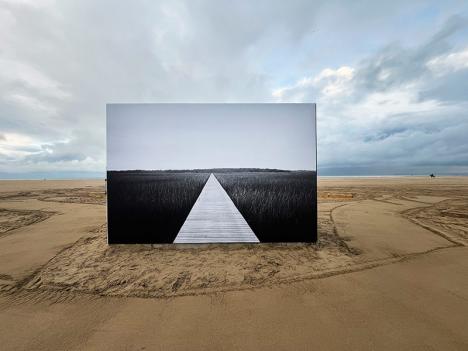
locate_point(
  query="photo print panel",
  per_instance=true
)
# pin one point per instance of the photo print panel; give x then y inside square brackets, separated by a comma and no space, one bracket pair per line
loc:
[211,173]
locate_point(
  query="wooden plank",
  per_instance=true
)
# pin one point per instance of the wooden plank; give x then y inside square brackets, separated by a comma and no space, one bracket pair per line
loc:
[215,219]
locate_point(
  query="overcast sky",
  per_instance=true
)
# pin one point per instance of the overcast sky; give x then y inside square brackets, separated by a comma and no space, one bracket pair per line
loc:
[390,78]
[190,136]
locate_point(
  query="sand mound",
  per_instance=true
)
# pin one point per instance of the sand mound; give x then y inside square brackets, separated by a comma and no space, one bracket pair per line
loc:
[13,219]
[92,266]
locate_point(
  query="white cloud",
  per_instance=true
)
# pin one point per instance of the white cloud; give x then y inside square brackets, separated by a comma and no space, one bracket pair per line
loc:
[329,82]
[14,73]
[396,102]
[32,103]
[13,145]
[450,62]
[334,82]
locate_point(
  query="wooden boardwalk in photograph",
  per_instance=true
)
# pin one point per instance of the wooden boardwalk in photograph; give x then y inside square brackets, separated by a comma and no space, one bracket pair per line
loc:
[215,219]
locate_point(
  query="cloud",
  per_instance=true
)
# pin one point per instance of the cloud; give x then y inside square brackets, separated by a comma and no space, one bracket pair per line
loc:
[401,110]
[385,87]
[25,154]
[448,63]
[328,83]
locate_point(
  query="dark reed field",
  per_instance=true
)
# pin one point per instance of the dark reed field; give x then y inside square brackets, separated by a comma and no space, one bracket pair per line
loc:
[279,206]
[150,206]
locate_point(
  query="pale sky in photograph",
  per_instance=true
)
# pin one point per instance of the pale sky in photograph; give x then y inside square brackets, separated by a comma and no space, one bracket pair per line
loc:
[390,78]
[191,136]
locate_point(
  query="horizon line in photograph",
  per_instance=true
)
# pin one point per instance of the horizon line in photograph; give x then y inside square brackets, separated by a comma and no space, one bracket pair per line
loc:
[214,170]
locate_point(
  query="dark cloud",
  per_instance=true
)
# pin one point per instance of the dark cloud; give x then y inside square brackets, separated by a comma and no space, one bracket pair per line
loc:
[385,134]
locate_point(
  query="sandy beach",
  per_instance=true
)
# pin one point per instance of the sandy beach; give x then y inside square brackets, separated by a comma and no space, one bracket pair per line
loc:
[389,273]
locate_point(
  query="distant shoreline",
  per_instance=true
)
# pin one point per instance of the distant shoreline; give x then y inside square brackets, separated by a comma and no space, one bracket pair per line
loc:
[319,176]
[391,176]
